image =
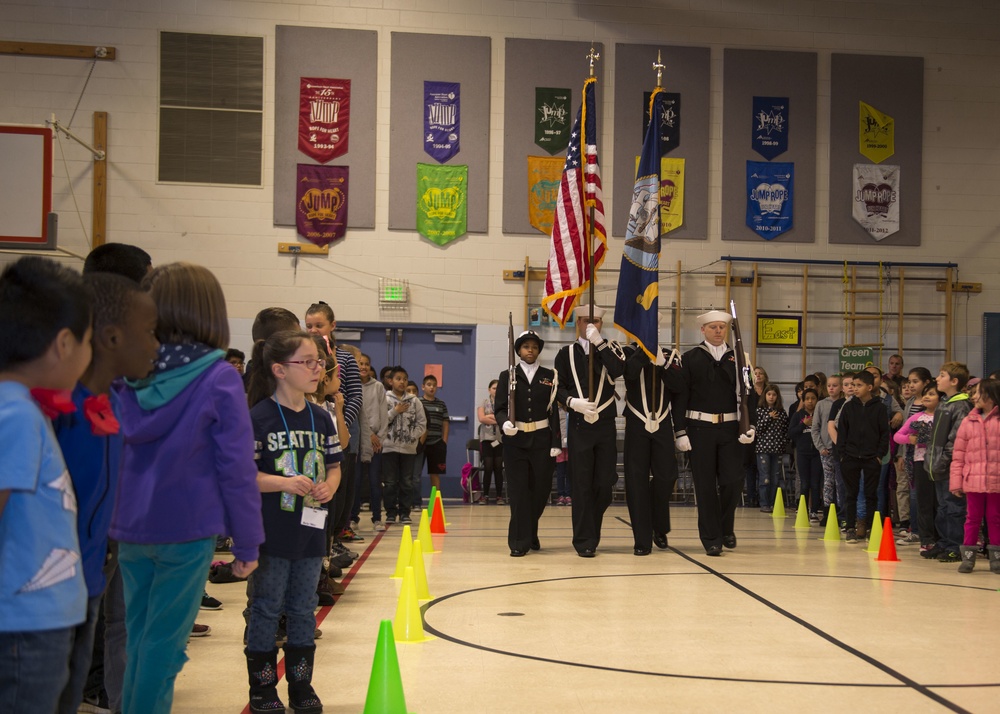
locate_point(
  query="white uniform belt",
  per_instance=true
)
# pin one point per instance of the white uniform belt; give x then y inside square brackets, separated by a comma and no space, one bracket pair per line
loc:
[712,418]
[649,417]
[529,426]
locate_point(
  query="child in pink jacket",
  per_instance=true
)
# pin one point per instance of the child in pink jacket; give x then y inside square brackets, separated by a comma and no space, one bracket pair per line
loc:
[975,472]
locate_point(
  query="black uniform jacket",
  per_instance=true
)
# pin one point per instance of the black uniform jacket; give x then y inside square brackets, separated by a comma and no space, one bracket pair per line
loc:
[609,357]
[640,371]
[707,386]
[532,402]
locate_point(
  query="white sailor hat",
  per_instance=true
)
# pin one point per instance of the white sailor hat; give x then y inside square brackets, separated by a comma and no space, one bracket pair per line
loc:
[584,311]
[528,335]
[714,316]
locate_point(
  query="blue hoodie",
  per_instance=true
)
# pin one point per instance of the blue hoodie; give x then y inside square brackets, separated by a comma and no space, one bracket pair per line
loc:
[188,470]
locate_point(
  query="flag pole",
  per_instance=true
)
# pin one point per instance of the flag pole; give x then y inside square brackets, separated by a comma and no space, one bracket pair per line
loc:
[658,66]
[591,58]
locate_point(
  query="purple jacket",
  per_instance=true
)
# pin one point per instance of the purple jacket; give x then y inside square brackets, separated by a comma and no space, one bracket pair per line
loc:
[187,468]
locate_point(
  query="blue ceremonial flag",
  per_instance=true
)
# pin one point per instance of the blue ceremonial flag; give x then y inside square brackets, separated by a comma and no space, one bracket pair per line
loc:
[636,308]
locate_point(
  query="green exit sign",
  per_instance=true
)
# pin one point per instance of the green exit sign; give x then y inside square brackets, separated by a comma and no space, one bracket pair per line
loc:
[394,293]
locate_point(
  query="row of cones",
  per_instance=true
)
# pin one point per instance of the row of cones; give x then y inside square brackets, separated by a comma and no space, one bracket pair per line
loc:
[881,540]
[385,686]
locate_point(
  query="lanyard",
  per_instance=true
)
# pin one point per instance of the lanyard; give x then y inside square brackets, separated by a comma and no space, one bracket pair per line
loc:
[288,433]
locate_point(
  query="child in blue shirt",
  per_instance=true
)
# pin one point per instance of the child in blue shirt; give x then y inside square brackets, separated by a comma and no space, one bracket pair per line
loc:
[124,345]
[45,322]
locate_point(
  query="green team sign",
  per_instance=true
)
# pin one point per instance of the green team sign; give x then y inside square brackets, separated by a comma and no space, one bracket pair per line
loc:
[855,359]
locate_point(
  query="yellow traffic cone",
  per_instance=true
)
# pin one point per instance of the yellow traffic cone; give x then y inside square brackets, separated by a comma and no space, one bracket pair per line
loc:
[424,533]
[403,558]
[419,574]
[875,537]
[802,515]
[779,505]
[408,625]
[832,525]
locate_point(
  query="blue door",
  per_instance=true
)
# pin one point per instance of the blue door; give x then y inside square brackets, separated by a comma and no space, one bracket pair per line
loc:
[421,349]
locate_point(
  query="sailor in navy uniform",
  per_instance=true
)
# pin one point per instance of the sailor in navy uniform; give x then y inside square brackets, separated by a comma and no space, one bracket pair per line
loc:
[531,443]
[592,442]
[706,422]
[649,446]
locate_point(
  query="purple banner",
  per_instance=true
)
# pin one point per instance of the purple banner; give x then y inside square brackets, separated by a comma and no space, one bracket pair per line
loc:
[441,119]
[321,203]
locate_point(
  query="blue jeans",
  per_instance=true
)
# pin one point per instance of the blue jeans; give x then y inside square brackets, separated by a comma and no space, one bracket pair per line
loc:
[79,663]
[810,478]
[768,478]
[163,588]
[397,477]
[34,669]
[562,478]
[371,470]
[280,585]
[950,518]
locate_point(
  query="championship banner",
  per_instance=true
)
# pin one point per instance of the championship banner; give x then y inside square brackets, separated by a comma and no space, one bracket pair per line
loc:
[671,194]
[324,117]
[769,198]
[637,302]
[876,133]
[442,114]
[321,203]
[670,120]
[876,199]
[544,173]
[552,107]
[441,201]
[769,137]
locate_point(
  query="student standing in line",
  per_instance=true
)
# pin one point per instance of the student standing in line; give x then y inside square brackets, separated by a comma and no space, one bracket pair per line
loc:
[770,444]
[862,440]
[435,439]
[407,423]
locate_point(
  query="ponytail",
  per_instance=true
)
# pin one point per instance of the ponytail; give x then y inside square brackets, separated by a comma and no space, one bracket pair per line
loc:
[260,381]
[266,353]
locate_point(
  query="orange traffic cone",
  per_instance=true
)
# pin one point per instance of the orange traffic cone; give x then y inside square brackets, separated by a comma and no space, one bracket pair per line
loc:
[887,551]
[437,520]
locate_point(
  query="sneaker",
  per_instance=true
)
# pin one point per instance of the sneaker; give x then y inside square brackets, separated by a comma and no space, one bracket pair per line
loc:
[350,536]
[931,552]
[355,524]
[95,704]
[766,509]
[908,539]
[949,556]
[569,501]
[200,630]
[852,535]
[501,501]
[336,588]
[324,597]
[210,603]
[390,518]
[378,526]
[405,520]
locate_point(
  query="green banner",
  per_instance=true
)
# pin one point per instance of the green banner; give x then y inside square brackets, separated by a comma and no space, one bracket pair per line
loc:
[552,118]
[856,359]
[441,201]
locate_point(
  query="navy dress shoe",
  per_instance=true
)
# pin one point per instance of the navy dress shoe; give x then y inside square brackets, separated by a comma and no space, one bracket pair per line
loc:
[587,553]
[642,551]
[535,545]
[713,550]
[729,541]
[518,553]
[660,540]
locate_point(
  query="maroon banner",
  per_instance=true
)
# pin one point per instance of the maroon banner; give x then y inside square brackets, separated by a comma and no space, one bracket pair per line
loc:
[324,117]
[321,203]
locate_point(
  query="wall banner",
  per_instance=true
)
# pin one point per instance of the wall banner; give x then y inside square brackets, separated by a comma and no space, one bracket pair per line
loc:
[769,197]
[324,117]
[876,198]
[321,202]
[442,117]
[769,137]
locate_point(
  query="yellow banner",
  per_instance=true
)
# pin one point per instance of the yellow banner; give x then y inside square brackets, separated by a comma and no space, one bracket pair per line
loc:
[671,193]
[544,174]
[875,133]
[774,330]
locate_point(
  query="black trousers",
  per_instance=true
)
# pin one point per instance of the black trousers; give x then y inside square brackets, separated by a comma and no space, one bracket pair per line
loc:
[648,500]
[593,457]
[529,483]
[851,469]
[926,504]
[717,471]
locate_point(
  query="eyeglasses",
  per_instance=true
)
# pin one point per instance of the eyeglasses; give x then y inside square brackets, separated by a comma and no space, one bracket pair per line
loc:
[309,363]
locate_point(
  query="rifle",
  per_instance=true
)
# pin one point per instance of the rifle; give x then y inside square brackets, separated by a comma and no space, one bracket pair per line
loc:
[512,365]
[744,380]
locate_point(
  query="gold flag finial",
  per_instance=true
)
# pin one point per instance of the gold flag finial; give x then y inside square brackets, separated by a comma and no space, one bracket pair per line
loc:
[659,67]
[593,57]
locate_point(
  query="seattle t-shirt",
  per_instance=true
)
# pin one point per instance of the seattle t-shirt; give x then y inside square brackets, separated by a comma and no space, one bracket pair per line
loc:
[303,443]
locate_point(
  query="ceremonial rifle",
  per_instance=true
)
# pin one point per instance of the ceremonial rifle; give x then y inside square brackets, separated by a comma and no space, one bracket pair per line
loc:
[744,381]
[512,366]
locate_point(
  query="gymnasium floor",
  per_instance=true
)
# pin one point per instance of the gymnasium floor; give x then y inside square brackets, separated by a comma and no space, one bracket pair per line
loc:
[785,623]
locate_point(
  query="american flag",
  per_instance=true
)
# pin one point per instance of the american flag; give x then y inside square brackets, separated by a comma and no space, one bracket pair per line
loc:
[568,270]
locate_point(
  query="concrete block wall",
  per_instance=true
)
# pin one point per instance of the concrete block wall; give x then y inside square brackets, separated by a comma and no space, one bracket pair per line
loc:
[230,229]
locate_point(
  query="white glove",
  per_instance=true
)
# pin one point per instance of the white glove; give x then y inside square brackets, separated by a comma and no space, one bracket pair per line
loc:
[594,335]
[661,359]
[583,406]
[509,429]
[682,443]
[554,452]
[748,437]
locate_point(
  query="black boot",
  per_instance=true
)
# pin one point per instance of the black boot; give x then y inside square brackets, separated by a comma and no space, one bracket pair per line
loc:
[298,672]
[263,670]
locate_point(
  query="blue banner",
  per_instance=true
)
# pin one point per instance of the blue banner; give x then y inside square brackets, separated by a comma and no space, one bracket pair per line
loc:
[769,198]
[637,304]
[670,120]
[441,119]
[770,126]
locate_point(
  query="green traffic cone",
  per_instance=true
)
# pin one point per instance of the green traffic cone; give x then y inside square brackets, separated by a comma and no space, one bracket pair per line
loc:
[875,537]
[385,687]
[779,505]
[802,515]
[832,525]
